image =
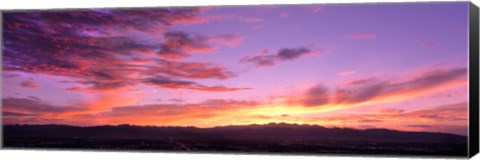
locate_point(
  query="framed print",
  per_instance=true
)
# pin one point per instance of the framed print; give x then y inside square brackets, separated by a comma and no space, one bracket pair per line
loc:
[395,79]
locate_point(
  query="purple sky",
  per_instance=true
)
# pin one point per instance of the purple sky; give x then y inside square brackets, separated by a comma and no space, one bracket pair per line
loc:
[349,65]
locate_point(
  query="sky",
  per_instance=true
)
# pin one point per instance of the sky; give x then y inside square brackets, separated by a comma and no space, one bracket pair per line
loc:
[399,66]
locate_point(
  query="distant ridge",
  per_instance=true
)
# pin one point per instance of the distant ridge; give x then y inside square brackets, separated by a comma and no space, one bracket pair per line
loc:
[271,131]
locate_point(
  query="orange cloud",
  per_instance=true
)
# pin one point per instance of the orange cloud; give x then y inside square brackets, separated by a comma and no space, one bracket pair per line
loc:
[104,101]
[314,106]
[110,99]
[205,114]
[452,118]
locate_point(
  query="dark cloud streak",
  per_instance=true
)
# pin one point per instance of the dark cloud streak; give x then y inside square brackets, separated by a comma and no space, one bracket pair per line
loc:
[30,106]
[285,54]
[179,84]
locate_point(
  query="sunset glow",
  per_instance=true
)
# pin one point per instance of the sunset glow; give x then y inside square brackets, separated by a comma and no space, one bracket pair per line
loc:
[396,66]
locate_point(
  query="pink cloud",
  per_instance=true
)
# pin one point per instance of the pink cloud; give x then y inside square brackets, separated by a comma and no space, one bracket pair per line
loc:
[189,70]
[363,35]
[220,17]
[284,15]
[346,73]
[252,20]
[427,44]
[228,39]
[317,9]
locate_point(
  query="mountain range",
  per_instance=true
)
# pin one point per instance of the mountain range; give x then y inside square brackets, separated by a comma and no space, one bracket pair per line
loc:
[271,131]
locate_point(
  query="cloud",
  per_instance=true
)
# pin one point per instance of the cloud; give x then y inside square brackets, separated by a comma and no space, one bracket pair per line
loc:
[448,112]
[166,69]
[346,73]
[292,53]
[181,44]
[374,90]
[169,113]
[420,126]
[428,44]
[99,22]
[190,70]
[362,81]
[284,15]
[102,49]
[33,97]
[27,106]
[199,114]
[370,89]
[266,59]
[34,106]
[16,114]
[221,17]
[442,113]
[232,40]
[252,20]
[317,9]
[316,96]
[391,110]
[446,118]
[261,60]
[369,121]
[450,118]
[107,100]
[31,120]
[101,85]
[179,84]
[363,35]
[176,100]
[9,75]
[82,90]
[361,94]
[30,84]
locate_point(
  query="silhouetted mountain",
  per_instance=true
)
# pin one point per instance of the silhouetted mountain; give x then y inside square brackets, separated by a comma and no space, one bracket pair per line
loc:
[272,131]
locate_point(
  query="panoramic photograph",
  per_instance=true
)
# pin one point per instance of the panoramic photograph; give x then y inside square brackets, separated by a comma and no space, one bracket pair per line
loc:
[379,78]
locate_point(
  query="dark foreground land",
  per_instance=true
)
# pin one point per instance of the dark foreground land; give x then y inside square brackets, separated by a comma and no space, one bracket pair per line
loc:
[280,138]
